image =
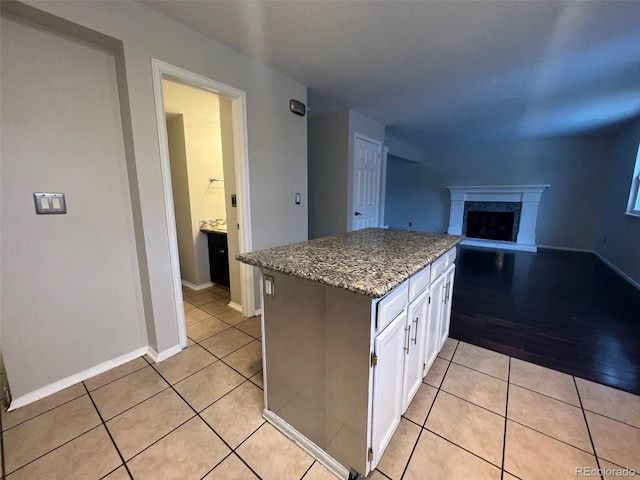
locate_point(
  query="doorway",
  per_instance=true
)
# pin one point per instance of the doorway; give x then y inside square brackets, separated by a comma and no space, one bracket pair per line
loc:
[239,231]
[367,167]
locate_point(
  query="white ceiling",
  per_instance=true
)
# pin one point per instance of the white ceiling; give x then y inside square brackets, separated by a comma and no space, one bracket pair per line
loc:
[447,71]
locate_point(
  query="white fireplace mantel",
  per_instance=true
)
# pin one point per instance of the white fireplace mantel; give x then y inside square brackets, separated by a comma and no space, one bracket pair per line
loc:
[528,195]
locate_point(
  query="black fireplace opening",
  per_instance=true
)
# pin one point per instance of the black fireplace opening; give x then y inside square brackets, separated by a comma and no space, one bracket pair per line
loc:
[490,225]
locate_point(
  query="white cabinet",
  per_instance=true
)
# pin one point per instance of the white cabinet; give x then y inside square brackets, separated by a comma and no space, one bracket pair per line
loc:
[435,308]
[411,325]
[414,348]
[388,362]
[449,275]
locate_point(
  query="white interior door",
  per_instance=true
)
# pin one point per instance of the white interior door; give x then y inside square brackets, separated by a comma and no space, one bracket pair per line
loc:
[366,182]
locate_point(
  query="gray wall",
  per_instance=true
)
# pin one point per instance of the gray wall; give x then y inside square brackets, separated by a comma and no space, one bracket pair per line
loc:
[622,232]
[71,294]
[328,176]
[331,144]
[181,200]
[277,151]
[570,209]
[358,123]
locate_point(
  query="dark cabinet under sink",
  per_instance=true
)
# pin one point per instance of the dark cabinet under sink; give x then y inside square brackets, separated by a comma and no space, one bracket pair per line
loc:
[218,258]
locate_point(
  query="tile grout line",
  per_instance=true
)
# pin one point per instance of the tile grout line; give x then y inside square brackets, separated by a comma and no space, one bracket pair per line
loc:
[462,448]
[545,395]
[42,413]
[472,403]
[53,450]
[548,436]
[310,467]
[107,430]
[475,370]
[608,418]
[197,414]
[383,474]
[506,416]
[584,414]
[404,471]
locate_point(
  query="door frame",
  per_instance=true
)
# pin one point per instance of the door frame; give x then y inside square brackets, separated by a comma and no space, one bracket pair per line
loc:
[359,136]
[162,70]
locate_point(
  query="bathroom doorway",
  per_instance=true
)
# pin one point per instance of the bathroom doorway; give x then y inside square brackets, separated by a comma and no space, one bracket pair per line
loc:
[202,132]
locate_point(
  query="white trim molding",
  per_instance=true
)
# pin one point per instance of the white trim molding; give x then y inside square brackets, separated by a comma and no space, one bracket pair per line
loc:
[617,270]
[528,195]
[160,71]
[67,382]
[307,445]
[193,286]
[235,306]
[164,354]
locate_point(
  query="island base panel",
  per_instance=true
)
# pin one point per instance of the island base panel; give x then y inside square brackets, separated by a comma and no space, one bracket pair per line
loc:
[317,363]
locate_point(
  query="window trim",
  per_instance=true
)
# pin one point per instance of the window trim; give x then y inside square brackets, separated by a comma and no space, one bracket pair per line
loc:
[633,204]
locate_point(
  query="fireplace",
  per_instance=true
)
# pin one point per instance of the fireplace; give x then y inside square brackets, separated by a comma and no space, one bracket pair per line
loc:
[492,220]
[503,216]
[490,225]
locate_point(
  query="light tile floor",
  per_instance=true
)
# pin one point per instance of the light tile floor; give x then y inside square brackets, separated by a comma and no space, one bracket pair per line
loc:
[197,415]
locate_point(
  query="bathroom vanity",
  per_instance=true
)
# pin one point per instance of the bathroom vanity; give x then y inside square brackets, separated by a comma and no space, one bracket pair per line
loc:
[218,254]
[351,324]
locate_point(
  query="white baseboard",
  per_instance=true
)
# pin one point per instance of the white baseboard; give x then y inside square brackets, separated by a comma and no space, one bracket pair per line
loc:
[567,249]
[257,313]
[601,257]
[67,382]
[617,270]
[197,287]
[163,355]
[498,245]
[235,306]
[307,445]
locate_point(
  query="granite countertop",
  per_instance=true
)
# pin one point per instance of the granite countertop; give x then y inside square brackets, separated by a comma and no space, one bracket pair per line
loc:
[214,230]
[369,262]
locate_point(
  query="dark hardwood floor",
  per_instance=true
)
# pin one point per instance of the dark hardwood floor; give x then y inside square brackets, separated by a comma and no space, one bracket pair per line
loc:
[563,310]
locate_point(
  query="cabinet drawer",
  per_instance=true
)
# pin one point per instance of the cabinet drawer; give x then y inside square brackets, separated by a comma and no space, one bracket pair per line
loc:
[419,282]
[391,305]
[451,256]
[438,267]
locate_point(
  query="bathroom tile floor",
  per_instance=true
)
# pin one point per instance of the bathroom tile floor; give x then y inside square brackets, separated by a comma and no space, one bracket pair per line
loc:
[198,415]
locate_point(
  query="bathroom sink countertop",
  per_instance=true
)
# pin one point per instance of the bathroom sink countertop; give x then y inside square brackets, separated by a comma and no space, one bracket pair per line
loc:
[220,229]
[369,262]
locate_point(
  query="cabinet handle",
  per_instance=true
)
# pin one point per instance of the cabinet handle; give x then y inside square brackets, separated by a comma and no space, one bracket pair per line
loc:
[407,338]
[448,291]
[415,339]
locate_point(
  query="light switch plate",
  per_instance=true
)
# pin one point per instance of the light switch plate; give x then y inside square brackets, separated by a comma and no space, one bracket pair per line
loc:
[49,203]
[269,286]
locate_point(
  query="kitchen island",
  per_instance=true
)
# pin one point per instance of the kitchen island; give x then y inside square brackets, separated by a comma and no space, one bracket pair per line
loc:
[351,324]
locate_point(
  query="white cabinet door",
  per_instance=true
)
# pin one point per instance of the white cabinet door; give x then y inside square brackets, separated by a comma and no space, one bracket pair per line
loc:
[414,348]
[432,343]
[387,384]
[446,306]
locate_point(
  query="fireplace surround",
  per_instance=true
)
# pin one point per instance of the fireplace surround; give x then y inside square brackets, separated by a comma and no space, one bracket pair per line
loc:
[498,198]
